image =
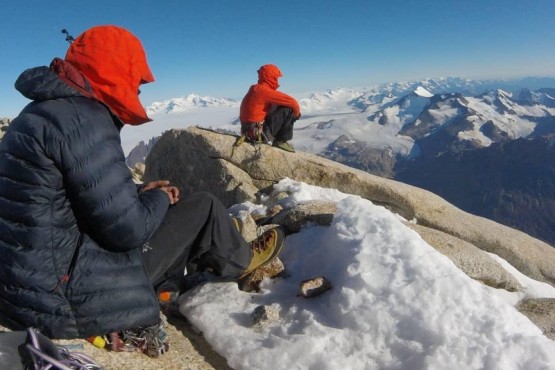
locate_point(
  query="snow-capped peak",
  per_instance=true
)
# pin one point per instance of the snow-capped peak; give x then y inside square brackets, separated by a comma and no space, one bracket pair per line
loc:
[189,102]
[420,91]
[332,100]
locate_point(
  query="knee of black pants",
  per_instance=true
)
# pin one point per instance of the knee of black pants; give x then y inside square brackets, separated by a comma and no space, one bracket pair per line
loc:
[205,200]
[204,197]
[286,111]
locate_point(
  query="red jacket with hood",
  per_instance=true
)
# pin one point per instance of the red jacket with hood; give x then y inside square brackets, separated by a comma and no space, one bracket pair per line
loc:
[261,97]
[114,64]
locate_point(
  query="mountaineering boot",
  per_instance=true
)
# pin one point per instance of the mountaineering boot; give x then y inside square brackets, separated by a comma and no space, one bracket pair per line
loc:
[284,145]
[265,248]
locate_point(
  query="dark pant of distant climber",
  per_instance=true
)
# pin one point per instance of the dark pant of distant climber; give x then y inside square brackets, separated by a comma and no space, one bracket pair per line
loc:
[277,128]
[278,125]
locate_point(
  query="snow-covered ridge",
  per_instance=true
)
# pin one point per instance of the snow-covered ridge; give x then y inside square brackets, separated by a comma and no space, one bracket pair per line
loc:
[339,99]
[189,102]
[381,115]
[420,91]
[332,100]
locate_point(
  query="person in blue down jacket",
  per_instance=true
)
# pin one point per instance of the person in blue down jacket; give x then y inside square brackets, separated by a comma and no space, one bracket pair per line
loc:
[83,248]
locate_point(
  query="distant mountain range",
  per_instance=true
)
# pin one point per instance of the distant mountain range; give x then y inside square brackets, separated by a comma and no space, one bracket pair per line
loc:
[472,142]
[511,182]
[491,154]
[452,121]
[188,103]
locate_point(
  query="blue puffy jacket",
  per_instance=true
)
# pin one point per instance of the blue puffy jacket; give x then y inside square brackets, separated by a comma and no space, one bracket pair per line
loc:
[71,219]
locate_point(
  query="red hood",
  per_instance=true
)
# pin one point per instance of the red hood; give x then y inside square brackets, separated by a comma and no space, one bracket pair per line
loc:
[269,75]
[114,62]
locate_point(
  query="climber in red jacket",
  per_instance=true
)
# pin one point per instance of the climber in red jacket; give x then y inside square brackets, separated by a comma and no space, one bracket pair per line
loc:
[267,115]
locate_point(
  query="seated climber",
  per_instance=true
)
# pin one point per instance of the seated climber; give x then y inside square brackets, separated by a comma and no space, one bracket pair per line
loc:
[267,115]
[83,248]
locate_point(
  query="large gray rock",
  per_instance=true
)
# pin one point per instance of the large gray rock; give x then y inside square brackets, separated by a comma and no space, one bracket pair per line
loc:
[311,212]
[200,159]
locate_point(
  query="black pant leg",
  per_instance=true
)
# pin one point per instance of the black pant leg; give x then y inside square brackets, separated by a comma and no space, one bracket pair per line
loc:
[197,233]
[278,124]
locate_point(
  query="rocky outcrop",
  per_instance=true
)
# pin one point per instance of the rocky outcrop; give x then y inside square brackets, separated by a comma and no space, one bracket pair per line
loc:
[311,212]
[271,270]
[140,152]
[358,154]
[4,122]
[198,159]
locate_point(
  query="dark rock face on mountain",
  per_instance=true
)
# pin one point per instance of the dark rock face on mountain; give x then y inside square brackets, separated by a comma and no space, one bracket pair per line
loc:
[358,155]
[427,122]
[511,182]
[139,153]
[545,127]
[491,131]
[445,138]
[544,96]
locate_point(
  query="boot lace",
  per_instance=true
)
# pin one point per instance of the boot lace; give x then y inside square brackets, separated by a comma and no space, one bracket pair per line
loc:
[262,243]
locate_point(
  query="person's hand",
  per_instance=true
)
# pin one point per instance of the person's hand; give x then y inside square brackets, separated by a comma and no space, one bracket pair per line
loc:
[164,185]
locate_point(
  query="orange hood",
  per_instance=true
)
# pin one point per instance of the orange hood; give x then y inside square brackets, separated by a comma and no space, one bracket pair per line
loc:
[269,75]
[114,62]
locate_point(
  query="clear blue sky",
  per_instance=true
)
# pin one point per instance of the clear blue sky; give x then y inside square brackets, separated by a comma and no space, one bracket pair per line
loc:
[214,48]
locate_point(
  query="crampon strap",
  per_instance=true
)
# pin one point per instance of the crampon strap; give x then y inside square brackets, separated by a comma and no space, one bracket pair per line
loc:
[254,133]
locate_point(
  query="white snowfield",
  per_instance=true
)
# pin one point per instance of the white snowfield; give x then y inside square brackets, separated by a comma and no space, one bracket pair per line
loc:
[396,303]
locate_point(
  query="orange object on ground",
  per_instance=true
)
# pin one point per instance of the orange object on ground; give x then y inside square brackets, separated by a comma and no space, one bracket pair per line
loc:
[165,296]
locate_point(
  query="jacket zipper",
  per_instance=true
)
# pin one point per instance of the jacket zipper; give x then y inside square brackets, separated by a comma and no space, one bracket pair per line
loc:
[65,278]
